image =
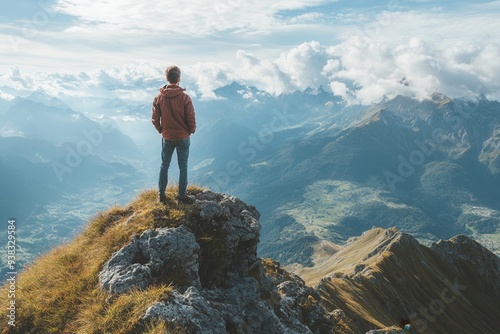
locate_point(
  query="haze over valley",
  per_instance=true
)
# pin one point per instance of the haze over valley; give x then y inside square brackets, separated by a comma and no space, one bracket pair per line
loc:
[317,169]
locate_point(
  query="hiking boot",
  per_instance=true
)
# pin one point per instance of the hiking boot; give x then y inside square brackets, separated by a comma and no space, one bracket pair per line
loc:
[187,199]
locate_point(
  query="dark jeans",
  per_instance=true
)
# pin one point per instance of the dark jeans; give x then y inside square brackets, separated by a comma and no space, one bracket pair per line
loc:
[168,147]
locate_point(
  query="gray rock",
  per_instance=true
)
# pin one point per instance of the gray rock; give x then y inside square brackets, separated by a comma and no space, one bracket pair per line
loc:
[190,311]
[239,309]
[299,306]
[167,254]
[209,210]
[122,271]
[229,229]
[173,255]
[220,286]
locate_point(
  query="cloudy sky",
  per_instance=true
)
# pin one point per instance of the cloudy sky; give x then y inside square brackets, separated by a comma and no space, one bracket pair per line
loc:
[362,50]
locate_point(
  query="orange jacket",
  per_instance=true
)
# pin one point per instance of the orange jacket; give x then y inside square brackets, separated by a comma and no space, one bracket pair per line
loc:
[173,113]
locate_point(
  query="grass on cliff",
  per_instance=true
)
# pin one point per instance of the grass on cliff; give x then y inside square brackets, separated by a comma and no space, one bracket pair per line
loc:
[59,292]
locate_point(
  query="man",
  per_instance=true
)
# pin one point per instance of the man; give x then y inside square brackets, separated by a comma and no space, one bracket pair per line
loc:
[174,117]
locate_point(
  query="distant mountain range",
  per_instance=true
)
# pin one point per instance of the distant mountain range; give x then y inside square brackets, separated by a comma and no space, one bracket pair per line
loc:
[318,171]
[429,168]
[58,167]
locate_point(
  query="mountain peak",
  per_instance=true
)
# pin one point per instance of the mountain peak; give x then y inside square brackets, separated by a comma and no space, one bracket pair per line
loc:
[440,99]
[41,96]
[361,254]
[463,249]
[401,277]
[150,267]
[237,90]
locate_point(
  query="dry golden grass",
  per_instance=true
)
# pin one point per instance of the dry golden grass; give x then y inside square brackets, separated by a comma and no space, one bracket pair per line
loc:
[274,270]
[330,258]
[119,315]
[60,292]
[406,280]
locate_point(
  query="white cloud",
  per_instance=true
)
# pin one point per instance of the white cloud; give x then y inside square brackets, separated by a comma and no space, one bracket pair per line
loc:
[435,25]
[304,65]
[359,71]
[262,73]
[190,17]
[366,73]
[6,96]
[131,82]
[208,77]
[312,17]
[18,80]
[101,34]
[379,54]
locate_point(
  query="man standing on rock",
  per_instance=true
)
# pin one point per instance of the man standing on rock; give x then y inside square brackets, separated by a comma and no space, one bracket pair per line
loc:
[174,117]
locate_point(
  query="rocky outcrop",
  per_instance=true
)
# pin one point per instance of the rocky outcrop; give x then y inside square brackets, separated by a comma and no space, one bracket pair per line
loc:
[167,254]
[461,248]
[375,282]
[220,286]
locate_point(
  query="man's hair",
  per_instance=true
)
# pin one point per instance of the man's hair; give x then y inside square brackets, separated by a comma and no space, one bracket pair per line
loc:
[173,74]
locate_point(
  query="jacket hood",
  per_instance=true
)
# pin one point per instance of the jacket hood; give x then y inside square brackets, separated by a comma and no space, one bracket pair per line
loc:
[170,91]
